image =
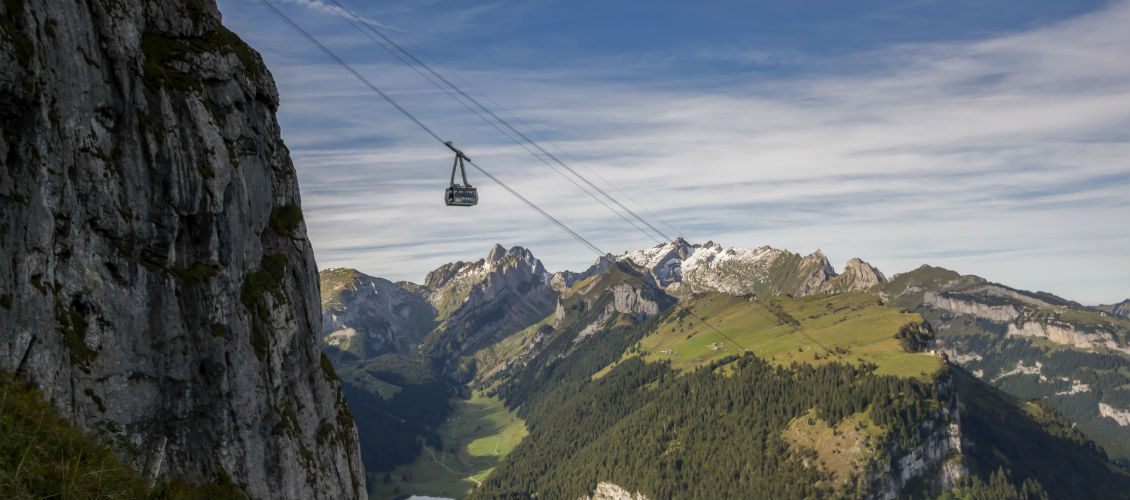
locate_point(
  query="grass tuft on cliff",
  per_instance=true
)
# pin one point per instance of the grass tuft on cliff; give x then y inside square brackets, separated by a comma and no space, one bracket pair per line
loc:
[43,456]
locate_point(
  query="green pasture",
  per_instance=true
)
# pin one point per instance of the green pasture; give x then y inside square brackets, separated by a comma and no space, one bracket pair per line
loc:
[846,327]
[477,435]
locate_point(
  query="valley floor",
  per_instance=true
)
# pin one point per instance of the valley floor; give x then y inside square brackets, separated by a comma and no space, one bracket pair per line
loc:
[475,438]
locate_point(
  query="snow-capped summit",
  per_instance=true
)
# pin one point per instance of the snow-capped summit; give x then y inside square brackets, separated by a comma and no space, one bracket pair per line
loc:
[664,261]
[683,268]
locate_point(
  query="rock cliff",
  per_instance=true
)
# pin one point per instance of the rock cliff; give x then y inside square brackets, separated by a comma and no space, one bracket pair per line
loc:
[480,302]
[1001,313]
[1067,334]
[1121,417]
[1121,309]
[160,287]
[366,316]
[857,276]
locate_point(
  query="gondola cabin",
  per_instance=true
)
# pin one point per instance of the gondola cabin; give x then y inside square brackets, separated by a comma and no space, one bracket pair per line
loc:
[460,195]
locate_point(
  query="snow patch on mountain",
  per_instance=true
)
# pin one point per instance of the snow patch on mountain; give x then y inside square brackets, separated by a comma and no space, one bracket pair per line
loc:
[682,268]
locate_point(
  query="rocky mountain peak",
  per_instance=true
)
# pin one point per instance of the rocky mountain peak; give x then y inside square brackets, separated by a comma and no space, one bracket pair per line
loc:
[496,254]
[1122,309]
[443,274]
[516,257]
[857,276]
[477,302]
[663,260]
[866,272]
[815,271]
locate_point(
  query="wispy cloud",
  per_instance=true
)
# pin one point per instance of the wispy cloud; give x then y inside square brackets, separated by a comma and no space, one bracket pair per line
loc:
[1004,156]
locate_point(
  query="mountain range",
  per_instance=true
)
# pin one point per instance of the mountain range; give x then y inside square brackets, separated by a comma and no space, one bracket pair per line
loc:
[163,335]
[504,330]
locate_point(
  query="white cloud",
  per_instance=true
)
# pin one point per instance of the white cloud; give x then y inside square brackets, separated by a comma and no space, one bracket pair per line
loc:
[1005,157]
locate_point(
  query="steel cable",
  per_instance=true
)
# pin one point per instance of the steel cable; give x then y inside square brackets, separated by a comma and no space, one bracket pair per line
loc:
[504,123]
[421,124]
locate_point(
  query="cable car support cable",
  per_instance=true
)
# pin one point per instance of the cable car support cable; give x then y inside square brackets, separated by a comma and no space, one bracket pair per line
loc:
[499,119]
[505,111]
[425,128]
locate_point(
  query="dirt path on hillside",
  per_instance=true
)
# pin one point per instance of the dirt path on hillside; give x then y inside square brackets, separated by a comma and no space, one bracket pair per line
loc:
[441,464]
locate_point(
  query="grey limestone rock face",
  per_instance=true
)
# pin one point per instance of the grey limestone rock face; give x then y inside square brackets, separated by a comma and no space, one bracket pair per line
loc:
[157,283]
[367,316]
[1002,313]
[482,301]
[857,276]
[1122,309]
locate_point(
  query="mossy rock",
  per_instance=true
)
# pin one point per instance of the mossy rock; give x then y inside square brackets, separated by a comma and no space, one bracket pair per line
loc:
[256,285]
[284,220]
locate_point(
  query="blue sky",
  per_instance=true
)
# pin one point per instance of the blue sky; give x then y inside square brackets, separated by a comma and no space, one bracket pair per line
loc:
[992,138]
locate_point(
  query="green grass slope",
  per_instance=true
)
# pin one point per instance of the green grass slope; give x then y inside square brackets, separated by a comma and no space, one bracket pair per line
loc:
[851,327]
[475,437]
[334,282]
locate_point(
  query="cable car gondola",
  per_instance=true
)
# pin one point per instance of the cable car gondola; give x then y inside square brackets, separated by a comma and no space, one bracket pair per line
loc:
[460,195]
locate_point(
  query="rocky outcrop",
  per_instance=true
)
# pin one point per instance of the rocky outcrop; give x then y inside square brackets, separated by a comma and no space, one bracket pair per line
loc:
[857,276]
[1121,309]
[664,262]
[1022,369]
[595,326]
[937,452]
[1066,334]
[1001,313]
[960,357]
[1122,417]
[366,316]
[611,491]
[160,288]
[626,299]
[815,270]
[629,300]
[1077,387]
[933,453]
